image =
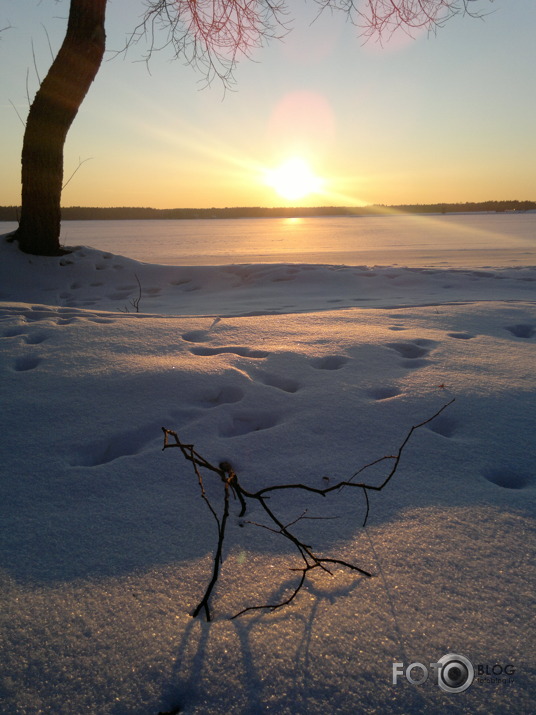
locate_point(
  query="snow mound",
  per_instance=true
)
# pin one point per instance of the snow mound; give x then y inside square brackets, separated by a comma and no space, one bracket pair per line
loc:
[287,373]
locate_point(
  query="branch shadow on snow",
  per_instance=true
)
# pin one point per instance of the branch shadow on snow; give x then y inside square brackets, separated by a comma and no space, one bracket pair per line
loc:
[193,660]
[123,506]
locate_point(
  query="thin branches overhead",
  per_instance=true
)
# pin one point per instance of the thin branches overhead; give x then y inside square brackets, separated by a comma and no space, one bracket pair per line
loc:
[378,19]
[212,35]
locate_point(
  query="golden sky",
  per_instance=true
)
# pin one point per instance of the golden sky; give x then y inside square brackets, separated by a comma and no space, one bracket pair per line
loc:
[440,118]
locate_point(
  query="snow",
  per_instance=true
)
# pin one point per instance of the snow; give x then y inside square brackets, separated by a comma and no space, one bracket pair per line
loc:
[293,373]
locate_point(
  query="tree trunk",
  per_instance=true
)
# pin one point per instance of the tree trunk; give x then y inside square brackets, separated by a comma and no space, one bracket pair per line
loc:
[52,112]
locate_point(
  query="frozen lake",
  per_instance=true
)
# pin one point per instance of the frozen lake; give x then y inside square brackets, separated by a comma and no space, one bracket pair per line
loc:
[459,240]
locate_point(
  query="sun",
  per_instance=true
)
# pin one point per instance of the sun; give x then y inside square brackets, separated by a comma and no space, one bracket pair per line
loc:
[294,179]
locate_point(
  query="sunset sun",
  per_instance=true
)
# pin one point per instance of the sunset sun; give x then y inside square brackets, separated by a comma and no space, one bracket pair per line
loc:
[293,179]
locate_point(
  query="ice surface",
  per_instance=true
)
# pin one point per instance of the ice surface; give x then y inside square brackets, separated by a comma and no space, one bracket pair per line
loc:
[293,373]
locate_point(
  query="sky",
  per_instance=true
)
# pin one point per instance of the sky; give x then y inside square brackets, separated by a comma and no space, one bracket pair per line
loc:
[446,117]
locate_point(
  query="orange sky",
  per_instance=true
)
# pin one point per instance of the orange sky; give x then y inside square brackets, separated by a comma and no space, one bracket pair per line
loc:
[442,118]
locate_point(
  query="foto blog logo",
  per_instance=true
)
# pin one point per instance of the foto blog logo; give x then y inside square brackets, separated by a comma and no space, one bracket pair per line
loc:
[454,673]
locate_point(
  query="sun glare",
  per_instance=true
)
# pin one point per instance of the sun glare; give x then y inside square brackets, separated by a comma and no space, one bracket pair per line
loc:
[294,179]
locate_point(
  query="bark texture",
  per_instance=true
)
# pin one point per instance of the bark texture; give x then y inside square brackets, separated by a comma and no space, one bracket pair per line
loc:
[51,114]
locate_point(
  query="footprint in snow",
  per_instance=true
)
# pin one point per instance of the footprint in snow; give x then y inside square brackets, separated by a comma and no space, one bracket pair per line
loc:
[34,317]
[522,330]
[123,444]
[66,321]
[243,423]
[240,351]
[383,392]
[329,362]
[196,336]
[286,384]
[13,332]
[200,336]
[36,338]
[26,363]
[413,352]
[118,295]
[444,425]
[509,478]
[222,396]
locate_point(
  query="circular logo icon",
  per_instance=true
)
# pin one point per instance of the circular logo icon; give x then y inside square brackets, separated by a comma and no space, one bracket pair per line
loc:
[456,674]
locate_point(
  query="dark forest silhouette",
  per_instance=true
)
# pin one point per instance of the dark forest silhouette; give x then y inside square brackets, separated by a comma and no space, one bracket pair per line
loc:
[133,213]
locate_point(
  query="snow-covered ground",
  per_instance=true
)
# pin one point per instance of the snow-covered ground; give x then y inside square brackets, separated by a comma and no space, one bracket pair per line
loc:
[294,374]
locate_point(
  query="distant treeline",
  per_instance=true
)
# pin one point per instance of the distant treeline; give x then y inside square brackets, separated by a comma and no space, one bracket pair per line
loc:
[89,213]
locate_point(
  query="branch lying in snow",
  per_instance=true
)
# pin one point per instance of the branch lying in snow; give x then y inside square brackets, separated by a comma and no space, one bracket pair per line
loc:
[231,484]
[134,302]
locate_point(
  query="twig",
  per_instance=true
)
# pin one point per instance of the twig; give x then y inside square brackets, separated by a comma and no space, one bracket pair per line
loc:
[134,302]
[230,483]
[49,43]
[35,63]
[80,162]
[17,113]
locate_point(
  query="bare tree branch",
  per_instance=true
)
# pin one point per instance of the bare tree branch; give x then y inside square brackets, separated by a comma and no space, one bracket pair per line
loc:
[52,55]
[17,113]
[231,484]
[80,162]
[379,18]
[212,35]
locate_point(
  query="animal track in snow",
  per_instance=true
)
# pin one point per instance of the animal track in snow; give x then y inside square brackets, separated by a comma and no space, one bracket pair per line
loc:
[36,338]
[200,336]
[521,330]
[13,332]
[26,362]
[196,336]
[32,317]
[444,425]
[223,396]
[461,336]
[281,382]
[66,321]
[248,421]
[383,393]
[329,362]
[409,351]
[240,351]
[413,352]
[119,295]
[109,449]
[509,478]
